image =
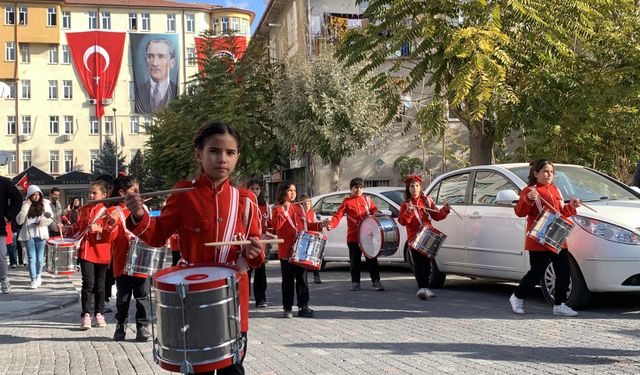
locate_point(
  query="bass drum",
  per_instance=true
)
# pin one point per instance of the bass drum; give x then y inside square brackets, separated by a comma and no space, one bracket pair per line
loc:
[378,236]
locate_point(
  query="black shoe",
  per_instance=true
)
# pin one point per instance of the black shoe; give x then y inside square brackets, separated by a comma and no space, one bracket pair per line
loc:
[142,334]
[120,332]
[316,279]
[262,305]
[305,312]
[287,313]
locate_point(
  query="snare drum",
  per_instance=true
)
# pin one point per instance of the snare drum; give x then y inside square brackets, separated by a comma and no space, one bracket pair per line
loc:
[62,256]
[308,250]
[378,236]
[143,260]
[428,241]
[198,315]
[551,230]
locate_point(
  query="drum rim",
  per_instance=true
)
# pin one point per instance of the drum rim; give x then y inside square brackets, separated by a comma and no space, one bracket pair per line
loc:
[65,243]
[171,366]
[206,285]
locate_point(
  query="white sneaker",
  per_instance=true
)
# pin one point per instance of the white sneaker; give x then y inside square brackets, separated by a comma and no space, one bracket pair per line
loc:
[38,281]
[429,293]
[6,287]
[517,304]
[33,285]
[564,310]
[421,294]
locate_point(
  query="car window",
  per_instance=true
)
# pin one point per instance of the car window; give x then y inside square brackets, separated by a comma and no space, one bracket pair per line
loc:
[328,206]
[452,190]
[397,196]
[382,204]
[487,185]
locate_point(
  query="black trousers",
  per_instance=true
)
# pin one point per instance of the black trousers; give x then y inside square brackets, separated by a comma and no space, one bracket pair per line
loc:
[421,268]
[236,369]
[354,257]
[294,277]
[93,276]
[175,257]
[138,286]
[539,261]
[259,283]
[109,281]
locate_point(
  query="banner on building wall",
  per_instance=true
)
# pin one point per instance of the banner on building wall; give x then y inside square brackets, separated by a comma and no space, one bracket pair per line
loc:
[231,47]
[155,59]
[97,56]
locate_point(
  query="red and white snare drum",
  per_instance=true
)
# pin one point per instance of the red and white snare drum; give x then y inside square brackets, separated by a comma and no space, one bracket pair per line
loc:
[428,241]
[308,250]
[378,236]
[62,256]
[144,260]
[198,315]
[551,230]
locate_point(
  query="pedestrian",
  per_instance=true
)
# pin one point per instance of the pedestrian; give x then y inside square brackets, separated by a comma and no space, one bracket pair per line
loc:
[260,273]
[94,254]
[10,203]
[126,285]
[310,216]
[288,221]
[35,231]
[357,207]
[416,212]
[541,194]
[56,210]
[71,216]
[15,250]
[201,215]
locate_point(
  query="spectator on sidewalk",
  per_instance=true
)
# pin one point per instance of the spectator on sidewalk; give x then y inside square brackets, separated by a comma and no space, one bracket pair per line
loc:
[10,201]
[56,209]
[15,250]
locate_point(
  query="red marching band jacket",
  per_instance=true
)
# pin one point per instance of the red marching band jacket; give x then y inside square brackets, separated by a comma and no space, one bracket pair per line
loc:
[204,215]
[532,209]
[120,245]
[94,247]
[287,224]
[417,218]
[357,209]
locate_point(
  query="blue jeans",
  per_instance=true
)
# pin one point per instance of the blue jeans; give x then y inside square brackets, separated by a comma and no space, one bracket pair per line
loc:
[35,254]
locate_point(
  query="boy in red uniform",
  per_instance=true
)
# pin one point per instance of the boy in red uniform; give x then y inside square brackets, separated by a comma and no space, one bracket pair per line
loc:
[310,215]
[213,211]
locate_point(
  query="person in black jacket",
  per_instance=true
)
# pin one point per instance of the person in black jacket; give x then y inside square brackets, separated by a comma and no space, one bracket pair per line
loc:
[10,204]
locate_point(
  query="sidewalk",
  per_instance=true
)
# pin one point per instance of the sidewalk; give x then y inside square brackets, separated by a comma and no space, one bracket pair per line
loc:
[55,293]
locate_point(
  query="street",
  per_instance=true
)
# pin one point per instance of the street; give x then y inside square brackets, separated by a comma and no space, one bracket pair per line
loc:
[468,328]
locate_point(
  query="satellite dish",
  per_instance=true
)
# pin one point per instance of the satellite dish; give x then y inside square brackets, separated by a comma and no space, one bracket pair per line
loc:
[5,90]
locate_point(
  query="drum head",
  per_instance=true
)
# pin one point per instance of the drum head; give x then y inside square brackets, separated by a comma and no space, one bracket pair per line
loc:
[370,237]
[61,242]
[195,275]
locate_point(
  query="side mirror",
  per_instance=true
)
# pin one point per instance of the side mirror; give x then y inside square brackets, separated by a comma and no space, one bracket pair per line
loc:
[386,212]
[507,197]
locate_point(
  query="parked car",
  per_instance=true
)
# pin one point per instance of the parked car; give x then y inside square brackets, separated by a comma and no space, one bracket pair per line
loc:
[489,239]
[385,198]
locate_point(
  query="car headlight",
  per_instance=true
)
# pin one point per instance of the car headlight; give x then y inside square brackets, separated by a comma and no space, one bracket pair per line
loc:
[607,231]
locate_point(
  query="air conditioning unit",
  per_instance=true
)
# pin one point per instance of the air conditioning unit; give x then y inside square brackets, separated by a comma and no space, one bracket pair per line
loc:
[107,101]
[93,101]
[24,137]
[66,137]
[79,167]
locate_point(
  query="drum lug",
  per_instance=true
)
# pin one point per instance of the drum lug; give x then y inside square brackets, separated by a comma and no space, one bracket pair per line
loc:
[182,290]
[186,367]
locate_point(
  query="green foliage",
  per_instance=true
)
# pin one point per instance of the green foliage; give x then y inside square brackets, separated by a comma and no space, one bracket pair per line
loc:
[407,165]
[106,161]
[136,168]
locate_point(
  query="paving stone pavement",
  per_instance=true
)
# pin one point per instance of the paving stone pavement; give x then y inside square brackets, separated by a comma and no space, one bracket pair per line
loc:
[467,329]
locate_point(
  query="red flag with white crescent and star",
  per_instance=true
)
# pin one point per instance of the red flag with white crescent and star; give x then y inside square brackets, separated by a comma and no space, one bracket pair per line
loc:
[23,183]
[97,55]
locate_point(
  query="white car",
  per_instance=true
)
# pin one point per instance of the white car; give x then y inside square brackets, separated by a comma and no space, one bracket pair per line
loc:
[386,199]
[488,241]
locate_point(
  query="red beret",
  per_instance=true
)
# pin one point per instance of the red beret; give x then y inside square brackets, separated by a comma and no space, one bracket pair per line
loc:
[413,177]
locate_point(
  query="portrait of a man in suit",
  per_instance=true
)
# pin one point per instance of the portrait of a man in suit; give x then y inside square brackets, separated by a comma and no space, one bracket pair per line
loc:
[158,89]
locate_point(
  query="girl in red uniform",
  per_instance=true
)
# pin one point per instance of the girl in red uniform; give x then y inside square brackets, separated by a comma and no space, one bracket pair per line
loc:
[288,222]
[310,214]
[213,211]
[533,200]
[357,207]
[260,278]
[94,253]
[414,216]
[126,284]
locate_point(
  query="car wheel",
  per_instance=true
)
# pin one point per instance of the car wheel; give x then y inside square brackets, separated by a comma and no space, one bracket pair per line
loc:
[409,258]
[577,295]
[436,278]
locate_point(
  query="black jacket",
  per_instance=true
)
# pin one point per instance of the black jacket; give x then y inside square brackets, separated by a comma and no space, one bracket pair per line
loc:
[10,202]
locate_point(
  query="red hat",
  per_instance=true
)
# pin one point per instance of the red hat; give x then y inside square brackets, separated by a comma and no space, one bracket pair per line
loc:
[413,177]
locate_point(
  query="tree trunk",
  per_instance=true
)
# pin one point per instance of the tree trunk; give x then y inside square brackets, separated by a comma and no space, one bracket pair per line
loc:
[335,177]
[481,138]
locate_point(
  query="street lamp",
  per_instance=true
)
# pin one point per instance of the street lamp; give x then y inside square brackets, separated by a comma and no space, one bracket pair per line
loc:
[115,137]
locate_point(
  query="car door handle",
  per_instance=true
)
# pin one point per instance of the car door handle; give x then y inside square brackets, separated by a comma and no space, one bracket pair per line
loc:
[475,215]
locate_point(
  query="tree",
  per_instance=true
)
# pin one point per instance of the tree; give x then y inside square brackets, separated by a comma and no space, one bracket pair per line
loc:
[407,165]
[106,161]
[136,168]
[472,53]
[321,110]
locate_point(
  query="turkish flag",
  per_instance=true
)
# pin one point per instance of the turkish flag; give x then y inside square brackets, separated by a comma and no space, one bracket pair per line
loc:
[97,55]
[232,47]
[23,183]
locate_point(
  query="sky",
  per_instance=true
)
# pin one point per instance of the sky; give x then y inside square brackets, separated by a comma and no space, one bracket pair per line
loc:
[257,6]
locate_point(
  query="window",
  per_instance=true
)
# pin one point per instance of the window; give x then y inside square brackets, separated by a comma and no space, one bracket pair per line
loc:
[191,23]
[26,159]
[191,56]
[54,161]
[67,90]
[171,23]
[106,20]
[25,53]
[66,20]
[216,23]
[235,25]
[135,125]
[52,17]
[292,20]
[22,15]
[25,124]
[54,127]
[133,21]
[13,166]
[145,18]
[68,161]
[148,122]
[452,190]
[329,205]
[9,51]
[53,53]
[93,20]
[11,125]
[225,25]
[53,89]
[68,125]
[133,153]
[382,204]
[12,89]
[93,125]
[244,28]
[487,185]
[25,89]
[376,183]
[9,15]
[66,55]
[108,124]
[93,158]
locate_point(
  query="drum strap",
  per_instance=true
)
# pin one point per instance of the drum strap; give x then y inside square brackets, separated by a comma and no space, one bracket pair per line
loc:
[415,211]
[96,217]
[230,226]
[286,214]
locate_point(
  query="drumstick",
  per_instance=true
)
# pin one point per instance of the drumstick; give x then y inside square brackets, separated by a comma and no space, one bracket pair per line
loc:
[245,242]
[548,204]
[149,194]
[587,206]
[454,211]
